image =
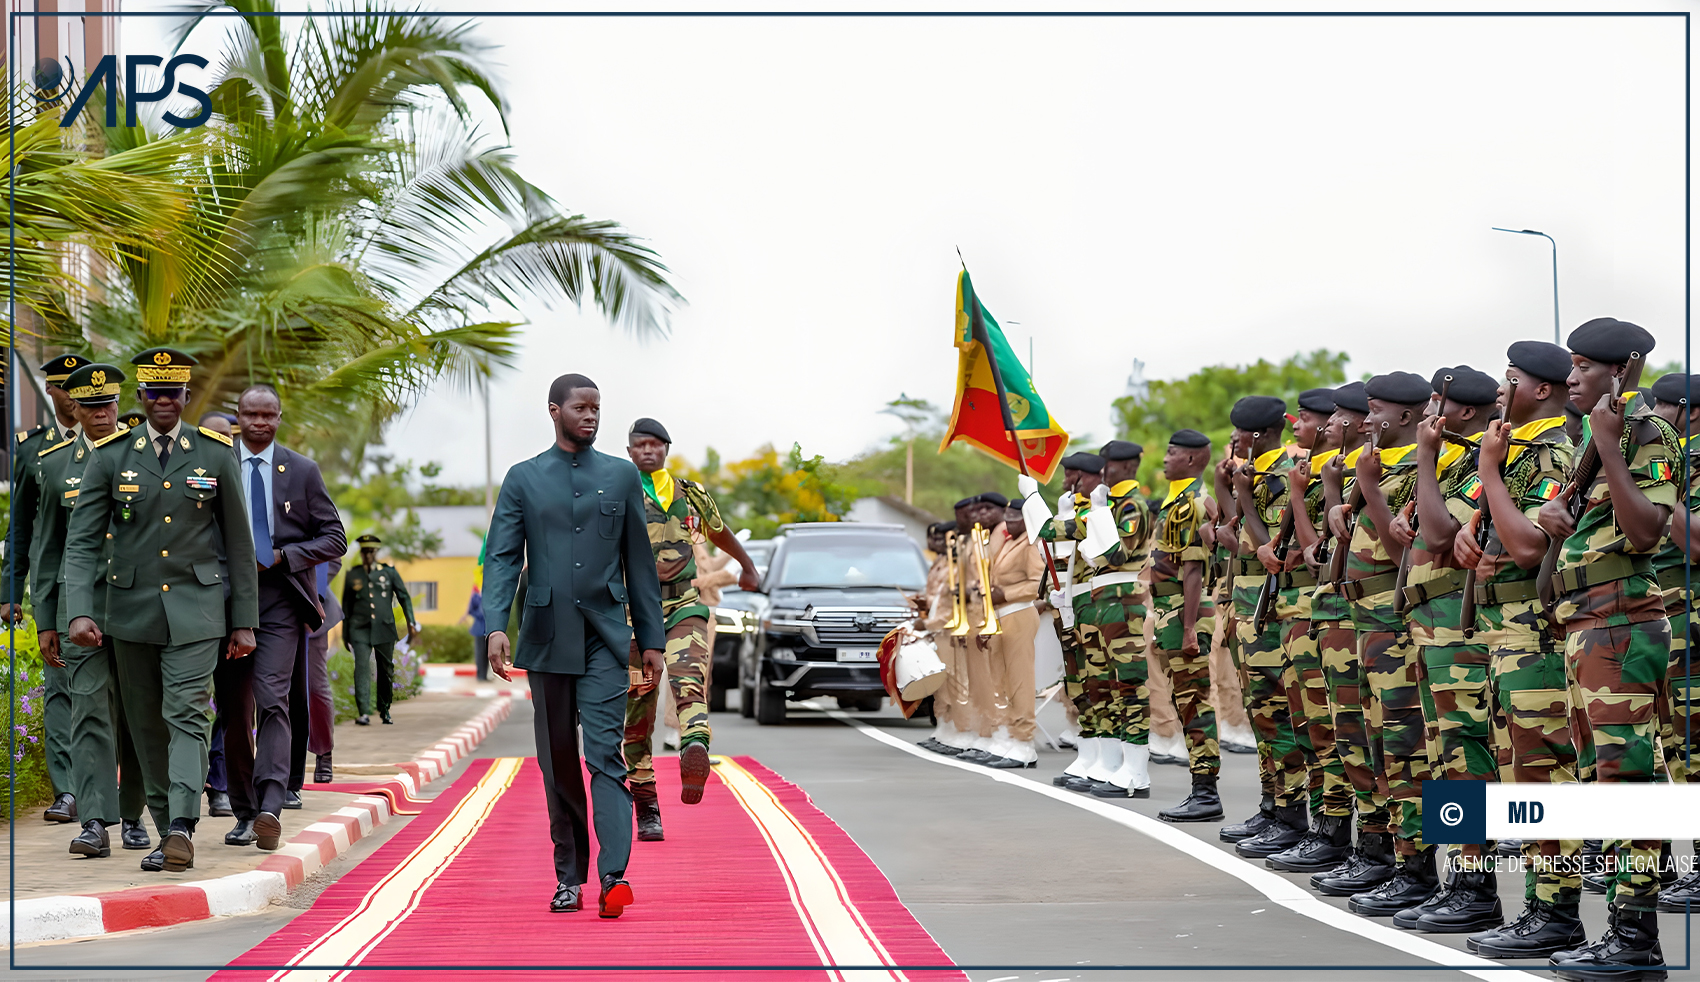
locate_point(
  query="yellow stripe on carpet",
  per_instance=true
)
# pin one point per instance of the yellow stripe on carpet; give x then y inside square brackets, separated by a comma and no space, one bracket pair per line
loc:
[836,927]
[394,897]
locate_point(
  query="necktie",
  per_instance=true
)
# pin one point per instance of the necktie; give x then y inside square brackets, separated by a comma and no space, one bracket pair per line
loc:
[258,511]
[164,441]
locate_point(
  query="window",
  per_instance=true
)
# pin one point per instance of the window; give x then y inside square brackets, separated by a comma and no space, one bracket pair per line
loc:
[424,595]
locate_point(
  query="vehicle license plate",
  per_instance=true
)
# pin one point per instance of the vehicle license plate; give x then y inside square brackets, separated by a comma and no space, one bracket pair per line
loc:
[858,654]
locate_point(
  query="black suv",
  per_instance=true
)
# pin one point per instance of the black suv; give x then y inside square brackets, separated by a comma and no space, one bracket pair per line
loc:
[832,591]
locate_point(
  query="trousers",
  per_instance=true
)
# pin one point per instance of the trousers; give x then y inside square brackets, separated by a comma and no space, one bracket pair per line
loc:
[596,702]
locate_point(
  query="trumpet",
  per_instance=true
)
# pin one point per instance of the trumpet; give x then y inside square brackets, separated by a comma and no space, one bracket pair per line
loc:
[958,590]
[981,539]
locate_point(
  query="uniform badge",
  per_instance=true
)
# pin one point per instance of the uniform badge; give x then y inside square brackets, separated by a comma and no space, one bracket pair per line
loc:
[1661,469]
[184,441]
[1472,488]
[128,475]
[1547,490]
[79,453]
[200,470]
[141,442]
[73,481]
[129,489]
[280,468]
[200,483]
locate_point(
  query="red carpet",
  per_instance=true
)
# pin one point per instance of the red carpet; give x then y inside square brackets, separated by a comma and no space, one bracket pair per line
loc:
[753,876]
[401,800]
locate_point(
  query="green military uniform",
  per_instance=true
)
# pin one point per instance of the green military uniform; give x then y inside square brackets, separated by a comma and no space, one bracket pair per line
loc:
[175,519]
[370,592]
[1117,613]
[1177,540]
[1086,666]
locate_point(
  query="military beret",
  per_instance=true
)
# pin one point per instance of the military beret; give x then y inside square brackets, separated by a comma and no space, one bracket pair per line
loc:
[1351,396]
[1469,387]
[1121,450]
[993,498]
[1610,340]
[968,502]
[1091,463]
[163,368]
[1258,413]
[94,384]
[1016,502]
[1189,438]
[1675,388]
[1317,400]
[368,539]
[58,369]
[941,528]
[649,427]
[1403,388]
[1542,359]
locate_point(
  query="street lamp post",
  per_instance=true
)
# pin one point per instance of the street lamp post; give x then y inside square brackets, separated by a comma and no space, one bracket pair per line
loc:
[1530,231]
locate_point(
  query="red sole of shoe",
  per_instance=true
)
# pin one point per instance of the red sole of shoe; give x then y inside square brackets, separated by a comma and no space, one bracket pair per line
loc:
[615,902]
[693,773]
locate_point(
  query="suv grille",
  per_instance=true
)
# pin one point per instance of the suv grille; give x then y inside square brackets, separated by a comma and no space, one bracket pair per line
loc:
[857,626]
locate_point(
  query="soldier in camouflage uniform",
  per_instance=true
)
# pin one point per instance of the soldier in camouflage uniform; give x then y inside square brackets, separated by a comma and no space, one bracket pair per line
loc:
[1523,462]
[1082,473]
[1617,641]
[1259,498]
[1678,732]
[1455,668]
[1386,482]
[1118,553]
[1184,617]
[674,510]
[1329,841]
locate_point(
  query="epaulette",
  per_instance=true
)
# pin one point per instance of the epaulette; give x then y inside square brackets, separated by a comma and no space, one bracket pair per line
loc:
[56,446]
[216,435]
[26,434]
[115,434]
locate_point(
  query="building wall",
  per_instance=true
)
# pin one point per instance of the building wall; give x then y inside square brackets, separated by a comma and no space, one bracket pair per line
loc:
[454,576]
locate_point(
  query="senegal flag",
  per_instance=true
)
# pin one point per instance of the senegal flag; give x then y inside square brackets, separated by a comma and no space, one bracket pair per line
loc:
[977,418]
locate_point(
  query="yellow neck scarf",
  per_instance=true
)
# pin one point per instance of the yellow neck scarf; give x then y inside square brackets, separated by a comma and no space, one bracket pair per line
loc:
[1177,488]
[1123,488]
[659,485]
[1263,463]
[1453,451]
[1530,430]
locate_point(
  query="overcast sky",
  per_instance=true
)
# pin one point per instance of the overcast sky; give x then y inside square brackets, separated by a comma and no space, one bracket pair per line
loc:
[1185,191]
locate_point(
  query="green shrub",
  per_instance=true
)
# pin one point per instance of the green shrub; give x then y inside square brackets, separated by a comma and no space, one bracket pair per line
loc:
[440,644]
[27,773]
[340,665]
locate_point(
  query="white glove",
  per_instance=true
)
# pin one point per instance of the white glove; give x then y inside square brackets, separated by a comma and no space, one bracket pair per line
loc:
[1034,514]
[1066,613]
[1059,599]
[1026,485]
[1101,534]
[1100,496]
[1065,503]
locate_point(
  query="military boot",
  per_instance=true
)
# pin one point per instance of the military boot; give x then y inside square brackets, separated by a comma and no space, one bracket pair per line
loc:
[1407,918]
[1291,824]
[1677,897]
[1253,825]
[1595,874]
[1204,804]
[1324,848]
[1413,880]
[1667,866]
[1544,929]
[1628,951]
[1374,866]
[1472,905]
[647,805]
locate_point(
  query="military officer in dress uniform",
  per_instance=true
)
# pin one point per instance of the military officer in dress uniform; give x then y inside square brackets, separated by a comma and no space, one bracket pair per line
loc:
[370,592]
[166,494]
[26,502]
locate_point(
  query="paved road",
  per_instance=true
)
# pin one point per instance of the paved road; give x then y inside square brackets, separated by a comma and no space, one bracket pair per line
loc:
[1000,874]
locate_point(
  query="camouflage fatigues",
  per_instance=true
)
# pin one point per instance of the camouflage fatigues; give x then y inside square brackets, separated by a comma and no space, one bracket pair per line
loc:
[1307,684]
[1117,615]
[1082,653]
[1178,541]
[1678,733]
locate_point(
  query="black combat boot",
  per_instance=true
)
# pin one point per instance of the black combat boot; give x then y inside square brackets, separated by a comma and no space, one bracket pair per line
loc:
[1472,905]
[1544,929]
[1291,824]
[647,806]
[1375,866]
[1413,880]
[1253,825]
[1667,866]
[1630,943]
[1202,805]
[1327,845]
[1407,918]
[1596,875]
[1677,897]
[1509,848]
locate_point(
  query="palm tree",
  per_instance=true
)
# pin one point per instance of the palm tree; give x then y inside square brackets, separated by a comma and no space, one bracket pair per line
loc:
[349,230]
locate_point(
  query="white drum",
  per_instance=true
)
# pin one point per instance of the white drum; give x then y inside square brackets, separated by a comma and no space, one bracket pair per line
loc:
[917,671]
[1048,665]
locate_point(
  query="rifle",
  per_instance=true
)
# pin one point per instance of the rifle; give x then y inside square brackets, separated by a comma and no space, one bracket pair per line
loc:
[1581,482]
[1484,527]
[1354,504]
[1283,545]
[1405,556]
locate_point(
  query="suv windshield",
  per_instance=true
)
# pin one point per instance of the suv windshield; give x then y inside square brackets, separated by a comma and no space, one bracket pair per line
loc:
[851,561]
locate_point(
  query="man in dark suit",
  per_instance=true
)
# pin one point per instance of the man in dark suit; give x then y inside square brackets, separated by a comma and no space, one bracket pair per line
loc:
[296,528]
[574,519]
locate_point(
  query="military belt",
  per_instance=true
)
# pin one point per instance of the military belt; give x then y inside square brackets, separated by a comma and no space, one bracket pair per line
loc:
[1507,592]
[1167,588]
[1444,585]
[1247,567]
[1670,578]
[1297,578]
[1606,569]
[676,589]
[1369,586]
[1111,579]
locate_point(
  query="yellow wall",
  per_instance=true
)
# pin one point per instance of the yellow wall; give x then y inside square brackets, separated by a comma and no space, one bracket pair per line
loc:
[454,576]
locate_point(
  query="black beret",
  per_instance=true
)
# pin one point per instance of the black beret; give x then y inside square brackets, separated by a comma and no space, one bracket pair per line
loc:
[1610,340]
[941,528]
[1091,463]
[1351,396]
[1403,388]
[1317,400]
[1258,413]
[993,498]
[967,502]
[1189,438]
[649,427]
[1121,450]
[1469,387]
[1017,501]
[1542,359]
[1675,388]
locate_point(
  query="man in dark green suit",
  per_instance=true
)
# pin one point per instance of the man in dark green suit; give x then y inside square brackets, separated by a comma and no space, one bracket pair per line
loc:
[573,518]
[169,493]
[370,592]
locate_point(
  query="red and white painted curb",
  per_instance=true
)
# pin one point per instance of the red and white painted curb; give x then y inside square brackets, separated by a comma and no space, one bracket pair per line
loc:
[57,918]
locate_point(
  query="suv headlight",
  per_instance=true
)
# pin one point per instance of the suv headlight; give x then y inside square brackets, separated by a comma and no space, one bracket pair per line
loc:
[785,622]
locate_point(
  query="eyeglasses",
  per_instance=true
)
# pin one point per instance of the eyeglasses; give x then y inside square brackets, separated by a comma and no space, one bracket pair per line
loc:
[154,395]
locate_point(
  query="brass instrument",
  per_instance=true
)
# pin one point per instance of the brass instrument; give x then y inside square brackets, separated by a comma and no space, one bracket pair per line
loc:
[982,538]
[958,625]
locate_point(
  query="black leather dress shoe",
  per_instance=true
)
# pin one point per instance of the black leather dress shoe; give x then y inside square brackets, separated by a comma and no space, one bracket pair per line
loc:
[92,841]
[154,861]
[1060,780]
[1011,764]
[616,897]
[322,769]
[134,836]
[1168,759]
[930,743]
[242,835]
[973,756]
[363,720]
[566,899]
[218,804]
[1080,784]
[268,830]
[292,799]
[63,809]
[179,851]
